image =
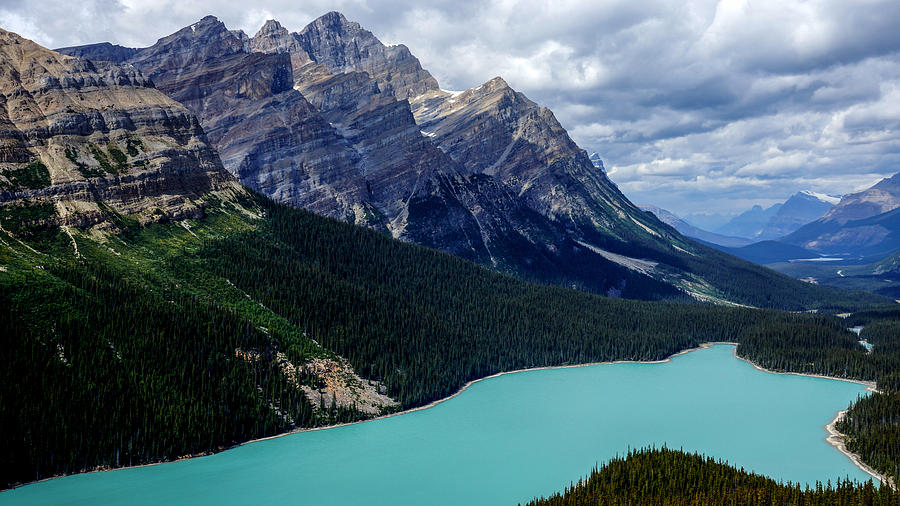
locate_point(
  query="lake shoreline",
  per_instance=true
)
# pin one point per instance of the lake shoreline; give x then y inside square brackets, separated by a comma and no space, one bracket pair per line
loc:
[870,386]
[835,438]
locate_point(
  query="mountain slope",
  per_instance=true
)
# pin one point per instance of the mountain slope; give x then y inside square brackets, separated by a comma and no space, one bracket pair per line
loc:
[874,236]
[882,197]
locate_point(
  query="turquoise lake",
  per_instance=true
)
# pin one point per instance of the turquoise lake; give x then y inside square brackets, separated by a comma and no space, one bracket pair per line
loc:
[508,439]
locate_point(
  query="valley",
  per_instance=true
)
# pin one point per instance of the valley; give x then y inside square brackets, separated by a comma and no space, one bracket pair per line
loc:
[220,239]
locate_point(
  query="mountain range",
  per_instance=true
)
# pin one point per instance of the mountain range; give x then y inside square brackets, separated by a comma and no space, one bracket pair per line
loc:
[778,220]
[863,224]
[863,227]
[685,228]
[331,120]
[853,246]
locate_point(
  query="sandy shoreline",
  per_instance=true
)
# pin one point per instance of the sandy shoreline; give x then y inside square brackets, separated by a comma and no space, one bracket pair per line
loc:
[834,438]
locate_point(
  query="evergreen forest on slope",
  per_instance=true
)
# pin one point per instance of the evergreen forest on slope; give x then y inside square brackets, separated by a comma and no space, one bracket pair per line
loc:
[672,477]
[180,338]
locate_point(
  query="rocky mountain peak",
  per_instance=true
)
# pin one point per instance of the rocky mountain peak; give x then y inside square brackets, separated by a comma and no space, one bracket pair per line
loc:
[275,38]
[345,46]
[204,39]
[208,26]
[334,20]
[271,27]
[495,83]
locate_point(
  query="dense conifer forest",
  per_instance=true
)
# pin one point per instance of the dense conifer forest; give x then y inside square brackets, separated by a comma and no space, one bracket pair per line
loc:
[670,477]
[180,338]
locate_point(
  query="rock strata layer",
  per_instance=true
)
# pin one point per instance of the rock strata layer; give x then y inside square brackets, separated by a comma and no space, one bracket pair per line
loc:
[94,139]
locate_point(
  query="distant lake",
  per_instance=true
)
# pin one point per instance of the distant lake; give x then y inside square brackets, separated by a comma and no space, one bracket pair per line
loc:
[508,439]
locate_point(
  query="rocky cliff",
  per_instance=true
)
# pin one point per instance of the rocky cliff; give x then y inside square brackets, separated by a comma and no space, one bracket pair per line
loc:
[267,134]
[85,143]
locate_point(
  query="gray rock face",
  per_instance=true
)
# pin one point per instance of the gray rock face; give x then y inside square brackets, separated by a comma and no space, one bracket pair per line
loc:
[266,133]
[344,46]
[494,130]
[395,158]
[274,38]
[88,137]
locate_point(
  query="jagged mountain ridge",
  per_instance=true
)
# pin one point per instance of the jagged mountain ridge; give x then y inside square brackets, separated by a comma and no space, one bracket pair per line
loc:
[267,134]
[485,174]
[393,177]
[518,152]
[83,141]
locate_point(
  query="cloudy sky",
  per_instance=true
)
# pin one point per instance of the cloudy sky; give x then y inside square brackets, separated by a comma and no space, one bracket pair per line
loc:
[696,106]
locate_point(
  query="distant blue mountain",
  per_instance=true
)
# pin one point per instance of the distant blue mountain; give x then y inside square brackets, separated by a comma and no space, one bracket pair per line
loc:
[689,230]
[779,220]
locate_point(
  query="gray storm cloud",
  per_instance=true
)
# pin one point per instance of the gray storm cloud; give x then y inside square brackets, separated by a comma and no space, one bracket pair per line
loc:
[696,106]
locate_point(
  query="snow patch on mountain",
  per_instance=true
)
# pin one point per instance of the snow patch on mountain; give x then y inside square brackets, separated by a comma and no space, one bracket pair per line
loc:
[595,159]
[822,196]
